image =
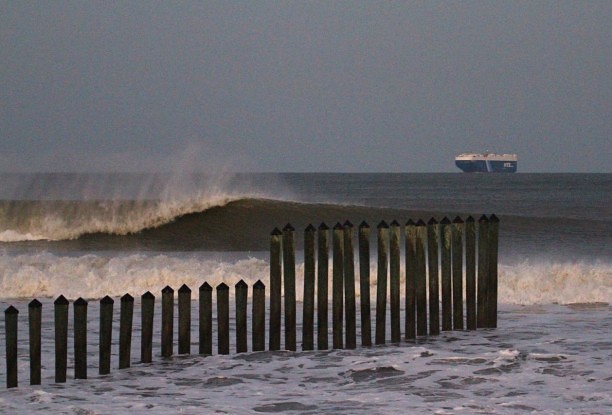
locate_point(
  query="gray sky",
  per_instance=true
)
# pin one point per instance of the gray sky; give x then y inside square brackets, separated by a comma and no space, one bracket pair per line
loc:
[304,85]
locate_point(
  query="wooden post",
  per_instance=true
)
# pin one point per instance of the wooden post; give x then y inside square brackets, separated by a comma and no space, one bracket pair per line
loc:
[338,286]
[126,315]
[184,319]
[447,305]
[242,292]
[35,319]
[457,255]
[147,307]
[61,338]
[470,273]
[381,282]
[11,315]
[309,289]
[433,246]
[483,271]
[223,318]
[259,316]
[205,319]
[289,281]
[275,289]
[80,338]
[167,321]
[421,279]
[410,324]
[322,286]
[364,283]
[493,254]
[349,287]
[394,281]
[106,334]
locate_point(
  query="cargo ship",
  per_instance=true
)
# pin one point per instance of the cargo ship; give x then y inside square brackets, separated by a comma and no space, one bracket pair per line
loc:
[486,162]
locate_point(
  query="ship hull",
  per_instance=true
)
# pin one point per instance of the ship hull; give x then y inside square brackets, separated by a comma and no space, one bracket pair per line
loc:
[487,166]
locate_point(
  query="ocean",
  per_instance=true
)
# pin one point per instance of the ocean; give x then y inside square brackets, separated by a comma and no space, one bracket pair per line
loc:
[91,235]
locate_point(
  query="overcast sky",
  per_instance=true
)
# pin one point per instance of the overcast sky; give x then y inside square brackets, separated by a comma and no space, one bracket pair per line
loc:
[329,86]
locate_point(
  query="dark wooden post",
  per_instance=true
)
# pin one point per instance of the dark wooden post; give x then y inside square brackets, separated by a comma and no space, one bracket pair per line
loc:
[223,318]
[126,315]
[35,319]
[364,283]
[410,324]
[381,282]
[447,305]
[483,271]
[309,289]
[349,287]
[242,292]
[433,246]
[493,254]
[394,281]
[322,286]
[421,278]
[338,286]
[167,320]
[457,254]
[11,315]
[147,307]
[61,338]
[259,316]
[289,281]
[275,289]
[106,334]
[184,319]
[205,319]
[470,273]
[80,338]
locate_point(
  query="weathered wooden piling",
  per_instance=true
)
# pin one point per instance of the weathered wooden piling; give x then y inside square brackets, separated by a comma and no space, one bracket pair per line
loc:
[433,246]
[410,296]
[483,272]
[338,286]
[11,316]
[421,278]
[259,316]
[223,318]
[80,338]
[309,289]
[167,321]
[242,292]
[394,280]
[349,287]
[447,300]
[493,254]
[289,281]
[184,320]
[106,334]
[275,289]
[61,338]
[35,320]
[126,316]
[381,281]
[364,284]
[470,273]
[205,313]
[147,311]
[322,286]
[457,267]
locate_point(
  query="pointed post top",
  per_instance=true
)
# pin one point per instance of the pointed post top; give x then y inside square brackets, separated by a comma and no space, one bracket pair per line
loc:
[241,284]
[35,304]
[382,225]
[493,218]
[420,223]
[483,219]
[222,286]
[469,219]
[167,290]
[364,224]
[445,221]
[79,302]
[395,223]
[127,298]
[348,224]
[288,228]
[11,310]
[259,285]
[338,226]
[184,289]
[458,220]
[276,232]
[323,227]
[205,287]
[61,300]
[432,221]
[107,300]
[147,296]
[310,228]
[410,222]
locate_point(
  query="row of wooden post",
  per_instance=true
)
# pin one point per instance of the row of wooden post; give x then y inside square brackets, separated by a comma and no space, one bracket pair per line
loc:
[424,243]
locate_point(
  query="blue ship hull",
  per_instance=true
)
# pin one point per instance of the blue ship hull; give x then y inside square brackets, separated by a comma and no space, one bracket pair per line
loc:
[487,166]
